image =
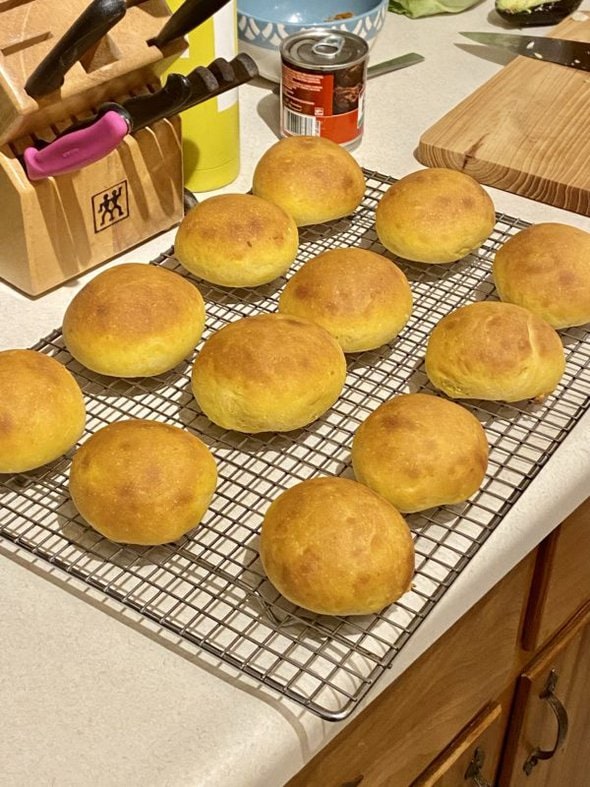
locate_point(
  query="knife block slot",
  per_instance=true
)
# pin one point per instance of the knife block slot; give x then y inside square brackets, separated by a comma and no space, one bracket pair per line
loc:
[104,53]
[7,5]
[19,46]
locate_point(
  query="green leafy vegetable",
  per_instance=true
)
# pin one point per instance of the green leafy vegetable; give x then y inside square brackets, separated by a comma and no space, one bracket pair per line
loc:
[417,8]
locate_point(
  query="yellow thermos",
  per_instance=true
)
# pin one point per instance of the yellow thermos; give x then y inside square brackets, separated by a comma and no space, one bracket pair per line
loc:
[211,130]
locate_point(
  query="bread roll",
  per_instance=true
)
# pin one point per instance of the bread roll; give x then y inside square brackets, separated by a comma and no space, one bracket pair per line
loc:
[361,298]
[312,178]
[142,482]
[434,215]
[237,240]
[42,411]
[134,320]
[494,350]
[420,451]
[546,269]
[270,372]
[333,546]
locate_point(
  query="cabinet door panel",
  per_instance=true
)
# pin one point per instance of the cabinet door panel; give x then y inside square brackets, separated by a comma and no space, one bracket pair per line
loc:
[561,582]
[548,742]
[472,758]
[395,737]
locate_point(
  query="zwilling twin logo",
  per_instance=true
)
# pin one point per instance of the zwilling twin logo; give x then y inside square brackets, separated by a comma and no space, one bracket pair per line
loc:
[110,206]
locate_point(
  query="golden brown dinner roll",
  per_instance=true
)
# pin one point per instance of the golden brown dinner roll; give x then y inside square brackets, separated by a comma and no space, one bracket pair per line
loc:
[434,215]
[361,298]
[546,269]
[312,178]
[494,350]
[237,240]
[142,482]
[333,546]
[270,372]
[420,451]
[42,411]
[134,320]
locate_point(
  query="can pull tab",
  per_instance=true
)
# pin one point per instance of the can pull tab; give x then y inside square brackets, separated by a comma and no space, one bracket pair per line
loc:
[330,46]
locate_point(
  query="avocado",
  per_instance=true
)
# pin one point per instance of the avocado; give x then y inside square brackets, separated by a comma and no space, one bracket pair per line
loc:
[535,13]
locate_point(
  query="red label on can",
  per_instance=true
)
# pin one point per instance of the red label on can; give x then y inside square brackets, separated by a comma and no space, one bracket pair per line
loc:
[323,104]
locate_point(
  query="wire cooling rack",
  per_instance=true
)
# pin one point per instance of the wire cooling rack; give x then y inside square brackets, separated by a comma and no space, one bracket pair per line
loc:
[209,588]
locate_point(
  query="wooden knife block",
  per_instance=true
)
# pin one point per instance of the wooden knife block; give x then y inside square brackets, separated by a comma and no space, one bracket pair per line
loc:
[52,230]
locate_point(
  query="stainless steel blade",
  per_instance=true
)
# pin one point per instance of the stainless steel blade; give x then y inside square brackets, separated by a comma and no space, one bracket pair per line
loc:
[394,64]
[574,54]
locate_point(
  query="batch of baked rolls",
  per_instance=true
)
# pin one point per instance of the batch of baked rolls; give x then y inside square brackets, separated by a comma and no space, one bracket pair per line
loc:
[331,545]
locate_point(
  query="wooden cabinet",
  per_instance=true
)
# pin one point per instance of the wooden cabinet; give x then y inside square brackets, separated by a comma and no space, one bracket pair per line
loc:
[548,742]
[561,582]
[475,707]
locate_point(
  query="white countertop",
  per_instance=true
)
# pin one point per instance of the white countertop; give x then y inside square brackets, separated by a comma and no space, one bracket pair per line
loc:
[89,697]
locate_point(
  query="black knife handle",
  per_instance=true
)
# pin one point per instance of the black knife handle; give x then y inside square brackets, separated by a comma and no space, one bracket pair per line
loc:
[244,69]
[139,111]
[191,14]
[222,70]
[239,70]
[202,80]
[92,24]
[147,109]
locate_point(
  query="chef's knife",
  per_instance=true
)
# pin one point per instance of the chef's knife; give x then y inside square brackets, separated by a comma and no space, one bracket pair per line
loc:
[92,139]
[189,15]
[575,54]
[92,24]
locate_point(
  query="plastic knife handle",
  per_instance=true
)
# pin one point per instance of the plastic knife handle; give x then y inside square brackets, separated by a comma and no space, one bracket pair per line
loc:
[141,110]
[242,69]
[222,70]
[92,24]
[191,14]
[202,81]
[74,151]
[150,107]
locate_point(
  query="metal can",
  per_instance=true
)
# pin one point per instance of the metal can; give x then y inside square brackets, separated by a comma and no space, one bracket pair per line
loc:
[323,79]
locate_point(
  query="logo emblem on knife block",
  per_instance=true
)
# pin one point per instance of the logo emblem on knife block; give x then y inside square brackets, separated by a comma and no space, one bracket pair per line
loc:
[110,206]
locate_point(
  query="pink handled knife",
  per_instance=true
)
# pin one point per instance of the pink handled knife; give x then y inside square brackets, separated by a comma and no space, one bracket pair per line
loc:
[90,140]
[77,149]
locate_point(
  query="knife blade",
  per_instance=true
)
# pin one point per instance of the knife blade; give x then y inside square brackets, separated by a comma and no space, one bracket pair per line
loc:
[189,15]
[574,54]
[92,139]
[92,24]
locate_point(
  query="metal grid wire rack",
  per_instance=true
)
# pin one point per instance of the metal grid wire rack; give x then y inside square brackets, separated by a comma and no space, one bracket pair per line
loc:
[209,588]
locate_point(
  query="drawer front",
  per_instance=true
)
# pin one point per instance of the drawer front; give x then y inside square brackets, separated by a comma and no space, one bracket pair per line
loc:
[473,757]
[561,582]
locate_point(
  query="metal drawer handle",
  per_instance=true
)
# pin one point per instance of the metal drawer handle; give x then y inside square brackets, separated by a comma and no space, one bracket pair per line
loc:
[562,724]
[474,769]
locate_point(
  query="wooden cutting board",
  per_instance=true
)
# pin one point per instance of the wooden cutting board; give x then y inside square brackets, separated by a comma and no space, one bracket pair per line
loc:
[526,130]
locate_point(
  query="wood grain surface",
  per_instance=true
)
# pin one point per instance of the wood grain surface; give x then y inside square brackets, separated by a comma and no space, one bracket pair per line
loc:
[526,130]
[122,62]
